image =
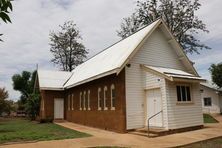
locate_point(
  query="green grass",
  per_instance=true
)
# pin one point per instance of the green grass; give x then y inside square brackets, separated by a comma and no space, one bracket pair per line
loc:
[17,130]
[209,119]
[212,143]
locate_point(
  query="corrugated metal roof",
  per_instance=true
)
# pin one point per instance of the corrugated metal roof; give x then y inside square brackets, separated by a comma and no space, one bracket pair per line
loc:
[109,60]
[173,73]
[211,85]
[52,79]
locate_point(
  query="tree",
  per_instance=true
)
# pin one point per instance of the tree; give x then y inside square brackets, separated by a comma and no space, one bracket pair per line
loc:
[5,105]
[24,83]
[32,106]
[29,101]
[66,48]
[179,16]
[216,74]
[5,6]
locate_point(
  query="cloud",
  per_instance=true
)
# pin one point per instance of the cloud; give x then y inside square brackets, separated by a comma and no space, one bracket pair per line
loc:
[26,40]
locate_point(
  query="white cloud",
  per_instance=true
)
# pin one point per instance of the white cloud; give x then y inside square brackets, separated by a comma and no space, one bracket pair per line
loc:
[26,39]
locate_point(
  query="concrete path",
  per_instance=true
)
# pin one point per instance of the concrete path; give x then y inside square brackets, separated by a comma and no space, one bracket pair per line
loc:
[106,138]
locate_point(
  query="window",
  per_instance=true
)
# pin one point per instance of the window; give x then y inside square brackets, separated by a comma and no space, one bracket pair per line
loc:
[183,94]
[72,101]
[68,102]
[113,97]
[207,101]
[80,101]
[43,105]
[99,99]
[88,100]
[84,101]
[105,98]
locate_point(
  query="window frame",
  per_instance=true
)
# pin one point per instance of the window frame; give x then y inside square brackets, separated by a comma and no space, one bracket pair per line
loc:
[72,101]
[84,100]
[99,99]
[68,102]
[208,102]
[88,100]
[191,94]
[113,107]
[80,101]
[105,90]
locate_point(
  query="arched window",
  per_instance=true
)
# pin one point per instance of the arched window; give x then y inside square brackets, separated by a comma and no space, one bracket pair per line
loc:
[84,101]
[72,101]
[105,98]
[113,97]
[80,101]
[88,100]
[99,99]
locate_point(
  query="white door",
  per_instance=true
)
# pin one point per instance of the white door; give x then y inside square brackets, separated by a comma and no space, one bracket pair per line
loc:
[58,108]
[153,106]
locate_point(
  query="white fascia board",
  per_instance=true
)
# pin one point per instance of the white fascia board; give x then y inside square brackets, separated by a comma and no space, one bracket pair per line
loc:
[94,78]
[50,88]
[179,48]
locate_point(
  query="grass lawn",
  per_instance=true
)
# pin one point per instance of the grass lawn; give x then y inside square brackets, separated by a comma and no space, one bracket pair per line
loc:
[212,143]
[209,119]
[16,130]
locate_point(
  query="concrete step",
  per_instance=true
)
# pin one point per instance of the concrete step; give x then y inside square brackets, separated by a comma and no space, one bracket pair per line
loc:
[151,135]
[58,120]
[153,131]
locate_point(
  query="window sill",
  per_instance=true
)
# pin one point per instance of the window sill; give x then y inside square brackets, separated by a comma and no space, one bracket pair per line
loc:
[185,103]
[113,108]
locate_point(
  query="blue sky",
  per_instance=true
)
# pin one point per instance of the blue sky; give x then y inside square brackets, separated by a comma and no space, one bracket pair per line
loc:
[26,40]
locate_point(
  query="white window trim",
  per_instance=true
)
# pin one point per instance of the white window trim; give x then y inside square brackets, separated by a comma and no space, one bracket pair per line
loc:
[191,94]
[84,101]
[80,101]
[105,99]
[72,101]
[99,97]
[112,87]
[88,100]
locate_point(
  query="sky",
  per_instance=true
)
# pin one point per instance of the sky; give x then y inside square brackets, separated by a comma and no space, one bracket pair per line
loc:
[26,40]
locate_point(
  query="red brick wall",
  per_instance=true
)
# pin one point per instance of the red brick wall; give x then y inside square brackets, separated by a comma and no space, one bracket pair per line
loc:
[114,120]
[48,97]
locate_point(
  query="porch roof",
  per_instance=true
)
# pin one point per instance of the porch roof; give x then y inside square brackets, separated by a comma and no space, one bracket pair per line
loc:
[52,80]
[172,74]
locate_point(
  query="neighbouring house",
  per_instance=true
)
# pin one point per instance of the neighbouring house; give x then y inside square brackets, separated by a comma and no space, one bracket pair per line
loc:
[121,87]
[211,98]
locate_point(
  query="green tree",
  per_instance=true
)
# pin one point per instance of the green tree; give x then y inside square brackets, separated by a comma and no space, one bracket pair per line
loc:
[5,8]
[32,106]
[66,47]
[216,74]
[24,83]
[179,16]
[29,101]
[6,106]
